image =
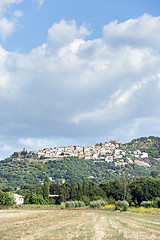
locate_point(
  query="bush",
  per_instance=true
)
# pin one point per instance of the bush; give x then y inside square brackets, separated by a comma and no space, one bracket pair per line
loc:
[102,203]
[94,204]
[156,203]
[86,200]
[63,205]
[146,204]
[79,204]
[111,200]
[121,205]
[70,204]
[97,204]
[74,204]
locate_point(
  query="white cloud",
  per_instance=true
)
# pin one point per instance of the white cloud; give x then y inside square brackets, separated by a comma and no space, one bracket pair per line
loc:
[18,13]
[6,27]
[73,88]
[5,4]
[143,32]
[35,143]
[63,33]
[9,25]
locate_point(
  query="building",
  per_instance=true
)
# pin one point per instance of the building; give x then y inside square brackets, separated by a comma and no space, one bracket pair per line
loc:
[144,155]
[19,199]
[53,198]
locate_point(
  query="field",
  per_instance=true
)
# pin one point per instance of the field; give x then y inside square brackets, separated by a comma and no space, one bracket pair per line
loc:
[77,224]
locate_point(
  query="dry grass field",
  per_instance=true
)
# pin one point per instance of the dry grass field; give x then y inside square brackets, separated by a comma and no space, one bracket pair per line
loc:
[77,224]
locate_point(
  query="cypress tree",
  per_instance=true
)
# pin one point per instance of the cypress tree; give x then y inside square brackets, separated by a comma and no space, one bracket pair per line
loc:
[73,194]
[79,192]
[46,188]
[84,188]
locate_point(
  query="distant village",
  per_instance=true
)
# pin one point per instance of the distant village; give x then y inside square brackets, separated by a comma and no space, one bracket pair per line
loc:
[107,151]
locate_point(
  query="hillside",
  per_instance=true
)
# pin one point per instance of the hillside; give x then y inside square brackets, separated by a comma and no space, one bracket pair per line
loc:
[28,168]
[151,145]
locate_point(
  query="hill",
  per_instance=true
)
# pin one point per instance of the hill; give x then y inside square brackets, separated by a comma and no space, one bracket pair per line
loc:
[140,157]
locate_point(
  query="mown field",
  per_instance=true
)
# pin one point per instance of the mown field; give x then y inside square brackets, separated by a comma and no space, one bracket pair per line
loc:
[77,224]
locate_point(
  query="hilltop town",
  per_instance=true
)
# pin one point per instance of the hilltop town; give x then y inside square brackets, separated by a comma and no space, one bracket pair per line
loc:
[111,151]
[99,162]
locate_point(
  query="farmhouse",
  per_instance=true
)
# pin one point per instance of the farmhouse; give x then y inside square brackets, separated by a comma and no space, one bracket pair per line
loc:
[19,199]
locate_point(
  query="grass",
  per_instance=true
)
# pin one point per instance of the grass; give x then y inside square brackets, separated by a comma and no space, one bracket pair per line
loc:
[82,224]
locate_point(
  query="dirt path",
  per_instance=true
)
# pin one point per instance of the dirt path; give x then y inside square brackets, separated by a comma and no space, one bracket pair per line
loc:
[99,227]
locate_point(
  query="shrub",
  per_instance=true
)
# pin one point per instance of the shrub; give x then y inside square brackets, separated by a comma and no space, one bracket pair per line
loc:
[146,204]
[86,200]
[81,204]
[63,205]
[70,204]
[111,200]
[74,204]
[156,203]
[102,202]
[121,205]
[93,204]
[97,204]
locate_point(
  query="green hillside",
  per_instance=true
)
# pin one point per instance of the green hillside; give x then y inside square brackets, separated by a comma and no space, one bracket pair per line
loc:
[151,145]
[31,170]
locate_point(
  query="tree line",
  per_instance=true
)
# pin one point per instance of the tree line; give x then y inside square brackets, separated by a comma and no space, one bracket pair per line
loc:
[133,191]
[136,191]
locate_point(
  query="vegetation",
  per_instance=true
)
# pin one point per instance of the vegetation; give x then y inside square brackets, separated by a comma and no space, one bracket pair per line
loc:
[146,204]
[33,198]
[72,169]
[121,205]
[81,224]
[73,204]
[24,168]
[135,192]
[6,199]
[97,204]
[46,189]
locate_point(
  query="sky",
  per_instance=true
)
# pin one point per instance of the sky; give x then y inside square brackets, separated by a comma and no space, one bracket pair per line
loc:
[78,72]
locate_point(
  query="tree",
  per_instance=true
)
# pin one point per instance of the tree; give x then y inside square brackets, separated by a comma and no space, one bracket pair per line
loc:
[73,194]
[32,198]
[84,188]
[46,188]
[64,192]
[6,199]
[79,192]
[145,189]
[95,192]
[119,189]
[154,174]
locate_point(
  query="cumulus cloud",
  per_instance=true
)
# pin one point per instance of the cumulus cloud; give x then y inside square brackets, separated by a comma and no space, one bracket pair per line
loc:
[84,90]
[142,32]
[63,33]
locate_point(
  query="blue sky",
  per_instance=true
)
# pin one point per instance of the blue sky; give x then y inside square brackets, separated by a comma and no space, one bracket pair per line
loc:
[36,20]
[78,72]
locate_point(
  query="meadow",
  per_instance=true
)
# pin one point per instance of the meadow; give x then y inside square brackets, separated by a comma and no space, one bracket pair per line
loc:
[88,224]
